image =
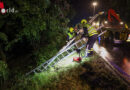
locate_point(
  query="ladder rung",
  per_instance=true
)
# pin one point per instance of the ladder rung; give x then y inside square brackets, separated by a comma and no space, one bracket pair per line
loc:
[62,55]
[58,58]
[81,42]
[72,48]
[76,45]
[67,52]
[39,69]
[34,71]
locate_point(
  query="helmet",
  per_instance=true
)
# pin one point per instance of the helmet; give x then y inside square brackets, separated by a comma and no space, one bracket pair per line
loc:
[71,29]
[83,21]
[126,26]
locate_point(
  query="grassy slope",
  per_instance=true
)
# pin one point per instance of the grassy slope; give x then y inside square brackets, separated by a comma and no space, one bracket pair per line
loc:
[82,76]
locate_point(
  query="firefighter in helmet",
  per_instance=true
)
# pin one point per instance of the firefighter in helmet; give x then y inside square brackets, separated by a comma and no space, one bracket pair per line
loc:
[92,34]
[70,33]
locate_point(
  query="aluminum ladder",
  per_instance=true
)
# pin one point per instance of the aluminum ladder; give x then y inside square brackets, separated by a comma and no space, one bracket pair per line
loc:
[60,56]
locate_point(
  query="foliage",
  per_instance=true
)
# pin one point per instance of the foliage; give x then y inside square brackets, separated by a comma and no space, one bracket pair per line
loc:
[3,37]
[82,76]
[32,35]
[37,25]
[4,73]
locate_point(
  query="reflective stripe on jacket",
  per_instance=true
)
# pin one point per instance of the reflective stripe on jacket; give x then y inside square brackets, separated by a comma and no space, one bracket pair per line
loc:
[91,30]
[71,35]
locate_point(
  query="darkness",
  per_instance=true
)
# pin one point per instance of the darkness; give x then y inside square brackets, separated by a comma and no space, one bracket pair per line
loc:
[84,8]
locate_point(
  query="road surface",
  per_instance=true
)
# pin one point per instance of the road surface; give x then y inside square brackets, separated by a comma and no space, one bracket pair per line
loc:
[114,55]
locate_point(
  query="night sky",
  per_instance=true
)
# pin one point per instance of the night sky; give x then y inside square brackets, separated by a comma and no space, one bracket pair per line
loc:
[84,8]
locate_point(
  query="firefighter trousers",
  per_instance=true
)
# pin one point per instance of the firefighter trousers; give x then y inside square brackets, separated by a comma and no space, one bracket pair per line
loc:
[90,43]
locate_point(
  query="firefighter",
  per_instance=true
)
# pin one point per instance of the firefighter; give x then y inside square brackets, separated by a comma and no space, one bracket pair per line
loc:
[126,26]
[92,34]
[70,33]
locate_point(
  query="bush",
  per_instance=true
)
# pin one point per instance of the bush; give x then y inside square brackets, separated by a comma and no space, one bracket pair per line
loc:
[4,73]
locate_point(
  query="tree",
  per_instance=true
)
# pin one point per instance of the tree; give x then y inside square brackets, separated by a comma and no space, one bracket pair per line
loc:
[36,31]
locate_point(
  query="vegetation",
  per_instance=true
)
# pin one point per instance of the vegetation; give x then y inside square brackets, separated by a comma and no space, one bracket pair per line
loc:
[83,76]
[32,35]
